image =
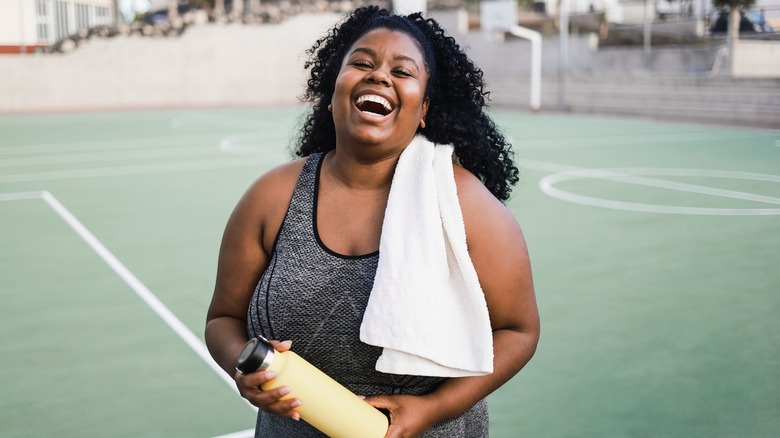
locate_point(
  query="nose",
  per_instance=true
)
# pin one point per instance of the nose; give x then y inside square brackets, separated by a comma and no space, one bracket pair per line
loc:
[378,77]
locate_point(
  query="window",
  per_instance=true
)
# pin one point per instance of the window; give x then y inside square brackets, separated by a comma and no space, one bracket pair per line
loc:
[102,14]
[43,19]
[82,16]
[57,19]
[61,18]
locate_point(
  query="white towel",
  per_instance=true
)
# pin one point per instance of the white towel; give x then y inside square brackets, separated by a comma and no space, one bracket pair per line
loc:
[427,309]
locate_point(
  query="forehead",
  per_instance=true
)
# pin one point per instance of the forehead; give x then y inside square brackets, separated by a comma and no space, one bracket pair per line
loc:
[393,41]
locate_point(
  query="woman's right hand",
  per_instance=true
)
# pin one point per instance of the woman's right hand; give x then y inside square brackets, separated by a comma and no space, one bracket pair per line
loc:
[249,385]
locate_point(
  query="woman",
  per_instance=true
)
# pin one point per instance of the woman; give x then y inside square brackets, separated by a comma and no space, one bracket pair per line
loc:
[300,251]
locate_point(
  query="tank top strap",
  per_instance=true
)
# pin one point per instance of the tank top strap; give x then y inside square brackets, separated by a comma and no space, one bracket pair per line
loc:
[299,221]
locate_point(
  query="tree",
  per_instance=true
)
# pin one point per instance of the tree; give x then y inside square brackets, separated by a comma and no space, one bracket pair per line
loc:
[173,10]
[237,9]
[219,8]
[734,7]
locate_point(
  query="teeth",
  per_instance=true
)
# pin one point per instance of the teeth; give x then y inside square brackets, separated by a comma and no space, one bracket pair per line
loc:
[376,99]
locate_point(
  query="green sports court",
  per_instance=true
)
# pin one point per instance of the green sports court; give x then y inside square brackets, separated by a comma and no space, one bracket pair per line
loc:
[655,247]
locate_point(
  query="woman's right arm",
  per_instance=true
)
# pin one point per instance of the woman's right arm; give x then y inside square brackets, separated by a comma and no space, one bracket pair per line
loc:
[243,256]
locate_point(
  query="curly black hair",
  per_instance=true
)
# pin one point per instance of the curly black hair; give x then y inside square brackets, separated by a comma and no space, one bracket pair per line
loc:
[455,88]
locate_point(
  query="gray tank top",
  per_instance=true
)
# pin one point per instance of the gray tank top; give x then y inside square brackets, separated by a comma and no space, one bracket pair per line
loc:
[316,297]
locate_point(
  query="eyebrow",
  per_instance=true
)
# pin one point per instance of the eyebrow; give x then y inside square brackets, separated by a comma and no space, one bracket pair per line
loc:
[371,52]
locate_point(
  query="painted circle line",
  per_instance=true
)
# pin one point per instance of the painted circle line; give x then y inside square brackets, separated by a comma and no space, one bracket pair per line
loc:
[637,176]
[251,143]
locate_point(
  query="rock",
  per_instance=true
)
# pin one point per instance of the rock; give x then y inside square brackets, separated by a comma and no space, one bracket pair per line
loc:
[66,45]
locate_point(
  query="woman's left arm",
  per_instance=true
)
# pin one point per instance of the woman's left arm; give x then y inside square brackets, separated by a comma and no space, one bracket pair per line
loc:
[499,254]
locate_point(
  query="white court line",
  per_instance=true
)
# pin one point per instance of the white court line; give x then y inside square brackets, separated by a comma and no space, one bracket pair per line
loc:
[182,166]
[249,433]
[19,196]
[96,145]
[546,166]
[632,139]
[562,172]
[250,143]
[71,119]
[103,156]
[219,120]
[131,280]
[628,175]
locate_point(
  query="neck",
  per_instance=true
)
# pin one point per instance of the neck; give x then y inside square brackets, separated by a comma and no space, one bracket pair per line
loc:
[360,173]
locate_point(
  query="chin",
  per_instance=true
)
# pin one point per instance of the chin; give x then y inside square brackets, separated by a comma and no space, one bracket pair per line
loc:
[367,137]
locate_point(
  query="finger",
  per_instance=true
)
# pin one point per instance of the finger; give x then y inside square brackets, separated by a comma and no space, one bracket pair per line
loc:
[255,379]
[251,387]
[380,402]
[281,345]
[278,402]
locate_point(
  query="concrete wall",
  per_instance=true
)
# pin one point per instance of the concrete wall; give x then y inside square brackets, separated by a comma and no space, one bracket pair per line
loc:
[208,65]
[586,58]
[17,23]
[213,65]
[758,59]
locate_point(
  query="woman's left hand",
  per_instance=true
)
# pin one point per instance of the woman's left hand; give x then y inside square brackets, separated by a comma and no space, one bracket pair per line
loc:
[410,416]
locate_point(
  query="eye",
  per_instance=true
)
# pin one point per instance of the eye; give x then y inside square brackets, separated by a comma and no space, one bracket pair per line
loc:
[361,63]
[402,72]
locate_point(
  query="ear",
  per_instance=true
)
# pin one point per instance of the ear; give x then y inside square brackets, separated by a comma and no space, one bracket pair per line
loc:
[424,112]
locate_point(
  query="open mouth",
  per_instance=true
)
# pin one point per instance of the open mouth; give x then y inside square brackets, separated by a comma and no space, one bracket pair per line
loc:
[373,104]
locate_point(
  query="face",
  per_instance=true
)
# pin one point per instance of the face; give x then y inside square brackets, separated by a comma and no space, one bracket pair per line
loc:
[379,98]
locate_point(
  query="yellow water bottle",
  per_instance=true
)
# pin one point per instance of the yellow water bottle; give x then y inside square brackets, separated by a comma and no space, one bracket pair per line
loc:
[325,404]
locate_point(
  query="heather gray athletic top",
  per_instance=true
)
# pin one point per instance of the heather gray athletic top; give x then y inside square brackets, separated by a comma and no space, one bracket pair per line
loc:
[317,298]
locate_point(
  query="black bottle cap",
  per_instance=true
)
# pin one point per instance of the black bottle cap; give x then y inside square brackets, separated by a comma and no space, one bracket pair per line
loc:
[256,355]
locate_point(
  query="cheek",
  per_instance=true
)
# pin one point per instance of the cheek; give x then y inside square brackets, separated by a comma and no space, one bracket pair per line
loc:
[338,89]
[341,89]
[416,96]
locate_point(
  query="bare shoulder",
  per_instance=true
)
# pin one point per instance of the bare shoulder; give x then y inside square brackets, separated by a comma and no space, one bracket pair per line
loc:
[278,183]
[264,204]
[478,204]
[491,228]
[499,253]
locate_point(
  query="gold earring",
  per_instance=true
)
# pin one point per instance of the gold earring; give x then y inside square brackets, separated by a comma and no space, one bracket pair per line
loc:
[330,107]
[422,123]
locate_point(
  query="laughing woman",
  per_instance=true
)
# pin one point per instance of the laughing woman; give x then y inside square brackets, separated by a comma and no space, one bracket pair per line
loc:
[384,255]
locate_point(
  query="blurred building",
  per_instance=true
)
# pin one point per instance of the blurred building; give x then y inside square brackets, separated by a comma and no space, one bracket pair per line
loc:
[30,25]
[632,11]
[639,11]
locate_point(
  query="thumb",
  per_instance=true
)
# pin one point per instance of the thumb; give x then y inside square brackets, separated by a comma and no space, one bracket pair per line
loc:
[385,405]
[380,402]
[281,345]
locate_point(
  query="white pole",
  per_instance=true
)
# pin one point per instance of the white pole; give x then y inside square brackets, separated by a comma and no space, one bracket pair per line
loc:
[22,44]
[536,63]
[649,17]
[563,56]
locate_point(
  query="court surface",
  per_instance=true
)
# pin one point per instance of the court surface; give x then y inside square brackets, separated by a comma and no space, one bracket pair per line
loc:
[655,247]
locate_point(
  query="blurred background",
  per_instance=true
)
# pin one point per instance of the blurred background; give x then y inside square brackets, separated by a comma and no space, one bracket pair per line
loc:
[647,133]
[712,61]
